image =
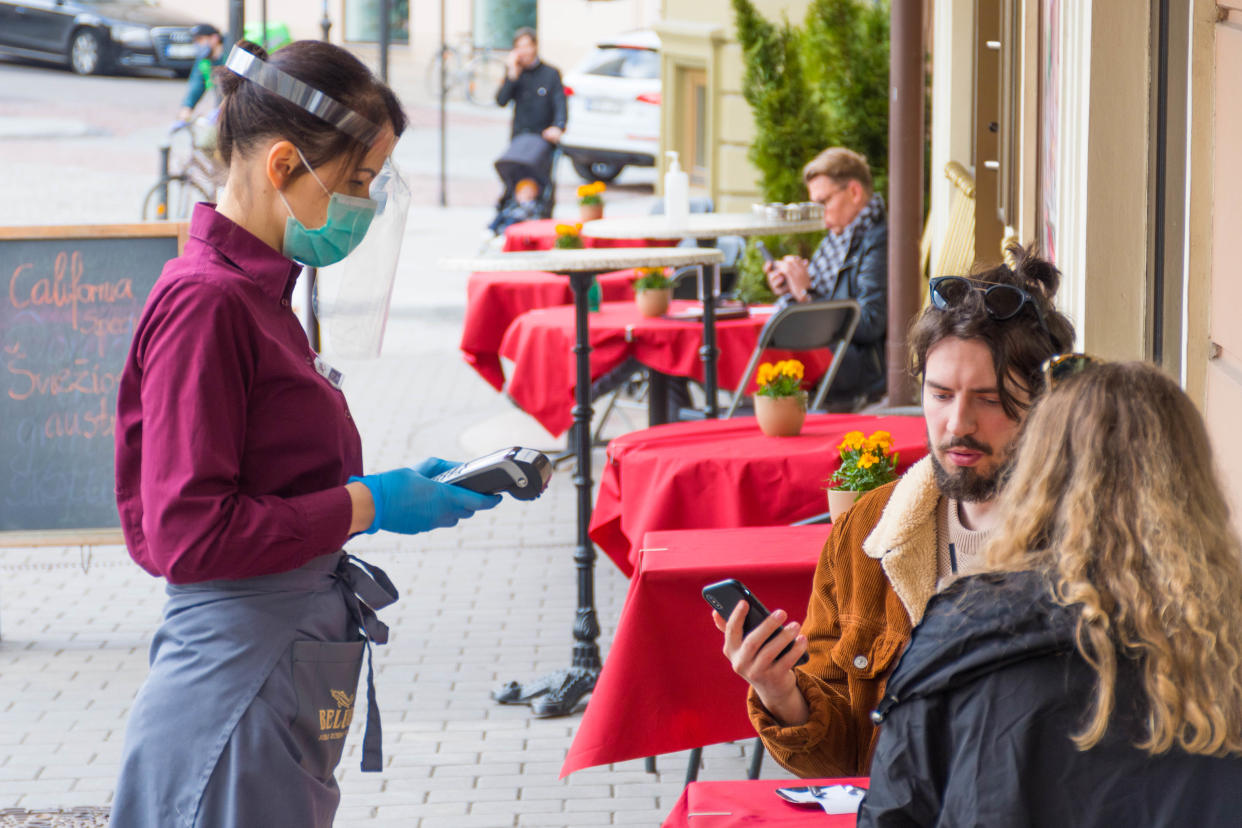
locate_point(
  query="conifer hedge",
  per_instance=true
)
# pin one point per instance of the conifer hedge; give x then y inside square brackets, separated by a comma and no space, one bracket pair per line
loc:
[811,87]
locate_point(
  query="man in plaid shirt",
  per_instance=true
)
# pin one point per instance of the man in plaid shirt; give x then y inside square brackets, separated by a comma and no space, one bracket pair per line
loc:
[850,263]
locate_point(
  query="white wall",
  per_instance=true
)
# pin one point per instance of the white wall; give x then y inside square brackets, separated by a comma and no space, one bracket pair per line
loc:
[1074,94]
[952,102]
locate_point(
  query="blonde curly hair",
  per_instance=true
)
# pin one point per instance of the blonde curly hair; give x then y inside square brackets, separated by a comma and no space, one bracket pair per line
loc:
[1129,523]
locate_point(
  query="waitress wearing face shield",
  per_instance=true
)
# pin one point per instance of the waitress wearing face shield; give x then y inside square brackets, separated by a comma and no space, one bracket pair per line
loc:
[239,467]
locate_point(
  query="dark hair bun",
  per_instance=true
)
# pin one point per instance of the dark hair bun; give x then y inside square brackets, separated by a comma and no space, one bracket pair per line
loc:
[1036,272]
[1019,344]
[229,81]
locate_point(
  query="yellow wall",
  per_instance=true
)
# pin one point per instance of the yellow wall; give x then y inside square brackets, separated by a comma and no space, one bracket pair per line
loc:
[701,34]
[721,11]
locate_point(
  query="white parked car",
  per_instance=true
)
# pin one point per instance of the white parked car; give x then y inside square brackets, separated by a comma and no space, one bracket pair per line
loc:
[614,107]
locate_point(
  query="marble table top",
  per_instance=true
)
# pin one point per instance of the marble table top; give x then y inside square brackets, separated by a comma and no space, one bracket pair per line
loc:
[697,225]
[594,260]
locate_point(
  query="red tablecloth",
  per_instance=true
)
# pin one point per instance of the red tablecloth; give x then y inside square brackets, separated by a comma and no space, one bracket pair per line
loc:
[540,344]
[495,299]
[541,235]
[753,802]
[665,685]
[724,473]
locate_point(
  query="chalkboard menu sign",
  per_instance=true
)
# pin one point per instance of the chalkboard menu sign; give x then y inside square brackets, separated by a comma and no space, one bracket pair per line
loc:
[72,298]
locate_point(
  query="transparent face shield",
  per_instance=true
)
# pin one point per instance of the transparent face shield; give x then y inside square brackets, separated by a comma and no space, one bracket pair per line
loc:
[352,296]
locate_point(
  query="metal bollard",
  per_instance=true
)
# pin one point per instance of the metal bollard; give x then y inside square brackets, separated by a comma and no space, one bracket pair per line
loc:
[161,209]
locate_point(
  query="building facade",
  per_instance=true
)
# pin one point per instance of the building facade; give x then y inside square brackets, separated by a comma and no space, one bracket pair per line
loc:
[1102,130]
[705,118]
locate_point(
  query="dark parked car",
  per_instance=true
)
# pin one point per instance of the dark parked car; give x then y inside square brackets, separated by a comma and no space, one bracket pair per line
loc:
[95,36]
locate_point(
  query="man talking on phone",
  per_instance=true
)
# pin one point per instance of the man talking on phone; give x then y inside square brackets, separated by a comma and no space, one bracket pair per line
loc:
[535,88]
[978,349]
[850,263]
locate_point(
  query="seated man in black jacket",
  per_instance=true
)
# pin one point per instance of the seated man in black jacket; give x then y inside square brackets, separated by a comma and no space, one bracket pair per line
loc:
[850,263]
[535,88]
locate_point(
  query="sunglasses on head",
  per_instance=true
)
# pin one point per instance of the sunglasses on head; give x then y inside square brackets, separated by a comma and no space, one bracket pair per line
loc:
[1001,302]
[1063,366]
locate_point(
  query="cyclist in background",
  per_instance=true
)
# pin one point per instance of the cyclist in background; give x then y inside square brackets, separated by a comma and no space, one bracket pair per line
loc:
[213,47]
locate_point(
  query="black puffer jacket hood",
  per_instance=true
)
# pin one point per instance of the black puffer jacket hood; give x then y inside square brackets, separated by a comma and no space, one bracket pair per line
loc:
[977,723]
[977,626]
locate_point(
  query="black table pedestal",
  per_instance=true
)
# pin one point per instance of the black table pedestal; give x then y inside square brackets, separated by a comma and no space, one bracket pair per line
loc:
[558,693]
[657,400]
[708,291]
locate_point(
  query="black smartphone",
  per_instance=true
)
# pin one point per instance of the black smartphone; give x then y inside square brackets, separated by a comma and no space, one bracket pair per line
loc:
[763,251]
[723,597]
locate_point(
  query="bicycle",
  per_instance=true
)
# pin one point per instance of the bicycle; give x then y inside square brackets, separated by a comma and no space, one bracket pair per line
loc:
[189,171]
[476,69]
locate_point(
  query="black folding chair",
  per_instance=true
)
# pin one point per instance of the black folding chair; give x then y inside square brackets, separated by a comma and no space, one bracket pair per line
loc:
[685,281]
[804,327]
[685,286]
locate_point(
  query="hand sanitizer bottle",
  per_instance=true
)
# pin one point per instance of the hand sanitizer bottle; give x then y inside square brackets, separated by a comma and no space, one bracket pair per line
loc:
[676,191]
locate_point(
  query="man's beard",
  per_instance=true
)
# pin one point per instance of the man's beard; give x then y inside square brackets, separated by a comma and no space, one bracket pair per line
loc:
[965,483]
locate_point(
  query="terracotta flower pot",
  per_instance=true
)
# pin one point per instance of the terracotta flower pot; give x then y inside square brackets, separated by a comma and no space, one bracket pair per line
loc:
[591,212]
[653,302]
[840,501]
[781,416]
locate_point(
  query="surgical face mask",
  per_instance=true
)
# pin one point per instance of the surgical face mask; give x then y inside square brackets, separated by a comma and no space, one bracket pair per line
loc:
[351,297]
[346,225]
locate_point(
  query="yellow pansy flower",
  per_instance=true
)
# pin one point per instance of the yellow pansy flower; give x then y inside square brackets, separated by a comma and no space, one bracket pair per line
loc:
[765,374]
[866,460]
[851,442]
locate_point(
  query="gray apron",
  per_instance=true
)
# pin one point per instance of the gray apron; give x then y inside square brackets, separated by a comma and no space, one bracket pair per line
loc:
[243,717]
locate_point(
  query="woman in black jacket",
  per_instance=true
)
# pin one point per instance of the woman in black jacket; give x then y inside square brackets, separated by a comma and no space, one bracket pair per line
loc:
[1095,677]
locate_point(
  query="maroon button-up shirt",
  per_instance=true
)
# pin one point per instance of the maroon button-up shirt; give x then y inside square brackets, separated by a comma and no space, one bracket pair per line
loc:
[232,452]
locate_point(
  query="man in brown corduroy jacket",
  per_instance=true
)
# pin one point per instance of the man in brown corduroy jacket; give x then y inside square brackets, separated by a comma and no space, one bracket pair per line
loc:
[978,349]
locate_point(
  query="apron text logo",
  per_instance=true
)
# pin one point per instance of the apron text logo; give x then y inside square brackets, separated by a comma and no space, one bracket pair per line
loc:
[333,722]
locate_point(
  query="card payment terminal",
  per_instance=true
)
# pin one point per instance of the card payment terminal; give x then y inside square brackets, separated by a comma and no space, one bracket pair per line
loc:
[522,472]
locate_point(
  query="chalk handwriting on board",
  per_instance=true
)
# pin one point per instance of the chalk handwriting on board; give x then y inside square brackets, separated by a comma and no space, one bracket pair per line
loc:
[69,309]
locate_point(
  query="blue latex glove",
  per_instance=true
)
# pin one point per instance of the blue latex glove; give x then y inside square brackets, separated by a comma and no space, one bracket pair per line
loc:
[408,501]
